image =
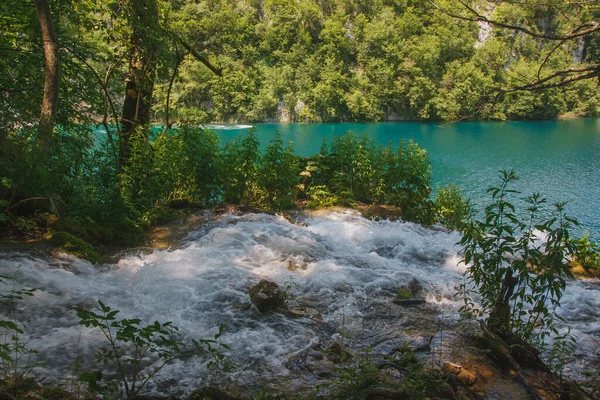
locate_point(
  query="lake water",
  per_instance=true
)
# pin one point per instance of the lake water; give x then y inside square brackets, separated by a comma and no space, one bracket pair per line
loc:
[560,159]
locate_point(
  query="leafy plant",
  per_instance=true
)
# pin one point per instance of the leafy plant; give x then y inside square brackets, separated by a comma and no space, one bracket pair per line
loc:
[353,378]
[278,175]
[16,359]
[218,362]
[516,265]
[241,159]
[452,209]
[132,349]
[587,253]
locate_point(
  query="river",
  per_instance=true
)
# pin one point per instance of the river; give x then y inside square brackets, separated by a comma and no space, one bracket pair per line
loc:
[342,270]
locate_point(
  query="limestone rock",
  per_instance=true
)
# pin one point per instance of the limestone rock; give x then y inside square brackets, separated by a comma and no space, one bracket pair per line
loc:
[466,377]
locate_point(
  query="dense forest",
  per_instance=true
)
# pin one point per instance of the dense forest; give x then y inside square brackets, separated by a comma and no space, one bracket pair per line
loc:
[67,66]
[300,60]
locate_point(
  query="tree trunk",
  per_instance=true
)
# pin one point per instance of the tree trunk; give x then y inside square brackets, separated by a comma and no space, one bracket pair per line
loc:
[499,319]
[140,80]
[178,60]
[52,79]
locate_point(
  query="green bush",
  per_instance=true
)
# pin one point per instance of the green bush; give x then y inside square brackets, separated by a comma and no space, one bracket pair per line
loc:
[278,175]
[517,281]
[135,353]
[241,159]
[16,359]
[587,253]
[452,209]
[187,165]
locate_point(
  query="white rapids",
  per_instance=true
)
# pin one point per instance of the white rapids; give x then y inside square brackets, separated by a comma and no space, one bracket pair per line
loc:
[339,265]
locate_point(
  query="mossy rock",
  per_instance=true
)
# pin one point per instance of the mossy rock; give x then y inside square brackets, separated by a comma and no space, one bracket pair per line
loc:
[73,245]
[403,294]
[268,297]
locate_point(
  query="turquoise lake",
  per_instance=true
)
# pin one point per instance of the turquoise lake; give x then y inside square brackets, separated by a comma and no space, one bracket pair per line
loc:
[560,159]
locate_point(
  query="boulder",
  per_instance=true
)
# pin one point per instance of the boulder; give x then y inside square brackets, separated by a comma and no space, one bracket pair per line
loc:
[268,297]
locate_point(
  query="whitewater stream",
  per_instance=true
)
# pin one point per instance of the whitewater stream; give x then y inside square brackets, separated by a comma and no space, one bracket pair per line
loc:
[341,272]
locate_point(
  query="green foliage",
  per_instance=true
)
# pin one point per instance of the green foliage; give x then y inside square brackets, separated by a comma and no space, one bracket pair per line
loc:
[354,377]
[16,359]
[240,170]
[451,207]
[213,348]
[150,347]
[74,245]
[187,165]
[517,279]
[278,175]
[407,173]
[403,294]
[587,253]
[134,353]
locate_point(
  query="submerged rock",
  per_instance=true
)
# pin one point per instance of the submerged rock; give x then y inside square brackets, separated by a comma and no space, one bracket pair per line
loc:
[268,297]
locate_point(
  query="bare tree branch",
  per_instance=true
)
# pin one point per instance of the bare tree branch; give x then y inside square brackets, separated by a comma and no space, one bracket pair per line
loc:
[584,29]
[197,55]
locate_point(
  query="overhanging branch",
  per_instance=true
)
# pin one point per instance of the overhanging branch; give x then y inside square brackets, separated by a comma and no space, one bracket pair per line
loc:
[198,56]
[582,30]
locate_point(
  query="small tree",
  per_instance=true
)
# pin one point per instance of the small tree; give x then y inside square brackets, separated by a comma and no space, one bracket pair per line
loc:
[516,265]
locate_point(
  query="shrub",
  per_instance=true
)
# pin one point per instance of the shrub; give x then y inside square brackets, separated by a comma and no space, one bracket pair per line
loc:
[16,359]
[241,159]
[517,279]
[587,253]
[278,175]
[451,208]
[187,165]
[135,368]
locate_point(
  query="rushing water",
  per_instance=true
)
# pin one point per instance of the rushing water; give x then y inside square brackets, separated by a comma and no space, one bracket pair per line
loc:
[560,159]
[342,269]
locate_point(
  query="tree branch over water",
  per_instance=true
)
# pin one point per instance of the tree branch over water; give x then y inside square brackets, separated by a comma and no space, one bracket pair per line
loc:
[554,79]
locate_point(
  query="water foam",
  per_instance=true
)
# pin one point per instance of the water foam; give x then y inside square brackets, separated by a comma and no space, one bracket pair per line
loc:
[339,265]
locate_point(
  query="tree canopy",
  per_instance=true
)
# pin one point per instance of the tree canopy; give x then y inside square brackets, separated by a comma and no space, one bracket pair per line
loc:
[302,60]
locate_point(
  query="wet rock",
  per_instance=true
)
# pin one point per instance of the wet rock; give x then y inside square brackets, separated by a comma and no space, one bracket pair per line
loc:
[211,393]
[386,394]
[321,368]
[410,294]
[466,377]
[379,212]
[317,355]
[295,313]
[445,391]
[409,302]
[268,297]
[339,353]
[415,287]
